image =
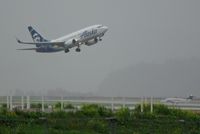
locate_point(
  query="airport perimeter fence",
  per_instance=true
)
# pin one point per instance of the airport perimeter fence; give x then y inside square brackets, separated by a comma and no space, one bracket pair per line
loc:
[48,103]
[97,126]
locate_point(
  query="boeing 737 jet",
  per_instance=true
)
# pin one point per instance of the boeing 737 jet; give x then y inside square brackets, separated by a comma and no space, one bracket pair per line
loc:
[177,100]
[88,36]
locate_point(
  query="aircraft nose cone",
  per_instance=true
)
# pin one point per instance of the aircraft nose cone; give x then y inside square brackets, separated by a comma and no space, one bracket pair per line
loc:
[105,28]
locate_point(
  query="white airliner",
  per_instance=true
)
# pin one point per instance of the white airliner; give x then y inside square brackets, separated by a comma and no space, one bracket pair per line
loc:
[177,100]
[88,36]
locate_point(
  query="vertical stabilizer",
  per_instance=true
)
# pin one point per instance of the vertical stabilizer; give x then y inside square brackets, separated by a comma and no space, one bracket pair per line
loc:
[35,35]
[190,97]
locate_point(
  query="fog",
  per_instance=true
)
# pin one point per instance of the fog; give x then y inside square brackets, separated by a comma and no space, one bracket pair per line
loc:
[145,32]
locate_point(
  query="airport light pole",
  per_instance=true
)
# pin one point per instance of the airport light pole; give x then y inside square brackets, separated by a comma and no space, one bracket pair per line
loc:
[7,97]
[42,103]
[11,106]
[141,105]
[28,102]
[61,102]
[22,102]
[151,104]
[112,105]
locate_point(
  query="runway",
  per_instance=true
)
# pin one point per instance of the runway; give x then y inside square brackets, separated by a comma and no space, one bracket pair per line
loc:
[114,103]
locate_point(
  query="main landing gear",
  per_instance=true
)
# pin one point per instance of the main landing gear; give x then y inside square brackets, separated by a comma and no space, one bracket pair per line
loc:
[78,49]
[66,50]
[100,37]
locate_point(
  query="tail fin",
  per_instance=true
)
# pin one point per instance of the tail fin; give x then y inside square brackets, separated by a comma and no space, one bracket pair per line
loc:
[190,97]
[35,35]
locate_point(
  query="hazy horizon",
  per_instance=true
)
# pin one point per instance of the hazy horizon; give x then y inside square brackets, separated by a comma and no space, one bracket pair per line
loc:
[142,31]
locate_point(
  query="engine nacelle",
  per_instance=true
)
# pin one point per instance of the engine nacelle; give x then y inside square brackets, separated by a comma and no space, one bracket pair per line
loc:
[91,42]
[70,43]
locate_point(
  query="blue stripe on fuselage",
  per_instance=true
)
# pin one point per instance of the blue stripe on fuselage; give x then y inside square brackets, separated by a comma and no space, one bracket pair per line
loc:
[88,34]
[48,48]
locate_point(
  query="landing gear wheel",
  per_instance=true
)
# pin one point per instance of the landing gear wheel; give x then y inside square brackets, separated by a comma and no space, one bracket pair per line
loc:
[78,49]
[66,50]
[95,40]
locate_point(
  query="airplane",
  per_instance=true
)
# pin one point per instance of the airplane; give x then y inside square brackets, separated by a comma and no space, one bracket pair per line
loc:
[88,36]
[177,100]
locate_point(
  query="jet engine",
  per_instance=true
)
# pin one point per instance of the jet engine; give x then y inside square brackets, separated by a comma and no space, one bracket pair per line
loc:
[91,42]
[70,43]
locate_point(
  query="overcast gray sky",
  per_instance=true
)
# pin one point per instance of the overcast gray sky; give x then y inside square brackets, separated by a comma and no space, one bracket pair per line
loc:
[139,31]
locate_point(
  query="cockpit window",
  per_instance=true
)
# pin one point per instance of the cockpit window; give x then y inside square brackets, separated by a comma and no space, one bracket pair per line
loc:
[100,26]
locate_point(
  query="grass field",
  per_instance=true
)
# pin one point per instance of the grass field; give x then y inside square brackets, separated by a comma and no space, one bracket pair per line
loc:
[94,119]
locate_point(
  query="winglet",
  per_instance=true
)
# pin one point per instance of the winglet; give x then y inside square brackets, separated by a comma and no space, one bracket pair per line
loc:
[18,40]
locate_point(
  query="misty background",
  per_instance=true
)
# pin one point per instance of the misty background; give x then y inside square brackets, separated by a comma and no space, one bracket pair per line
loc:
[151,48]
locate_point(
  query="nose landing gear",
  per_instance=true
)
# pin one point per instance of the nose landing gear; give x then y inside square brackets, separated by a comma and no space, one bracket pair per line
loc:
[78,49]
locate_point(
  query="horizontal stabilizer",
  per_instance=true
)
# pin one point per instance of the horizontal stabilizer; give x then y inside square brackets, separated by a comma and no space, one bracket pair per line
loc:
[18,40]
[21,42]
[60,44]
[27,49]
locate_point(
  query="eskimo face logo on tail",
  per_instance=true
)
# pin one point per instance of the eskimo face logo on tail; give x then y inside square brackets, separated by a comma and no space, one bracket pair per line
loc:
[36,37]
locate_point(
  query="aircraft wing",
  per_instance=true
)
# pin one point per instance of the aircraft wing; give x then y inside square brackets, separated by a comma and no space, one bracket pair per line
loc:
[59,44]
[27,49]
